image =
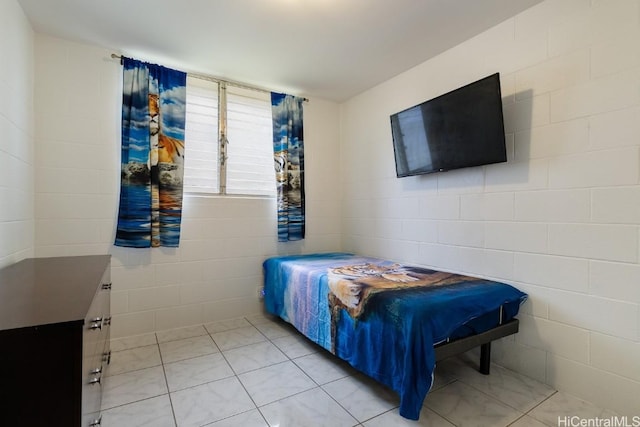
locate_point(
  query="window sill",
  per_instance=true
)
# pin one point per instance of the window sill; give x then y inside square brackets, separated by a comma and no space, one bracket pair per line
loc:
[195,194]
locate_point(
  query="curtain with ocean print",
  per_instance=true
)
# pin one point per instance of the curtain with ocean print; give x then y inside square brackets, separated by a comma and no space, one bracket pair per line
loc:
[153,117]
[288,153]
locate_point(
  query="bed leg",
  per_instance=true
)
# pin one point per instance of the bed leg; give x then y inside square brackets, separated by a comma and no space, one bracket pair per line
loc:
[485,358]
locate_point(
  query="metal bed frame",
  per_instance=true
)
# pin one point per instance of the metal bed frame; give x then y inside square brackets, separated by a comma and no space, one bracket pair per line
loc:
[482,340]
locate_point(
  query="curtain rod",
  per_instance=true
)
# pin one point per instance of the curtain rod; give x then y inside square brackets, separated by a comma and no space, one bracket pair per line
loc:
[213,79]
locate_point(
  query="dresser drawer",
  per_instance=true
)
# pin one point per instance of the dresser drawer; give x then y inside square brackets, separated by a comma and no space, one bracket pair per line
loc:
[54,330]
[96,325]
[96,356]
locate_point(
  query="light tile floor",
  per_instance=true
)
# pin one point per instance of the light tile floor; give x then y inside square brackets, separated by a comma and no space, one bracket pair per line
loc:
[258,371]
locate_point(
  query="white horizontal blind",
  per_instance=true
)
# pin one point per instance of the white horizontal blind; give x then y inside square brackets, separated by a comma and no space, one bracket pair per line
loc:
[250,149]
[248,169]
[201,137]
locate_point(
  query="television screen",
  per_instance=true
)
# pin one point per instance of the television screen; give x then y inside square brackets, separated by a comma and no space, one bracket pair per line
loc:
[459,129]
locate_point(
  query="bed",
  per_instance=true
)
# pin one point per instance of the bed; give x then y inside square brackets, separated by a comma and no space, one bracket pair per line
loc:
[389,321]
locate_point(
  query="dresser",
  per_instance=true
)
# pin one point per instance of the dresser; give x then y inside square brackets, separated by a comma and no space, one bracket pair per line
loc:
[54,340]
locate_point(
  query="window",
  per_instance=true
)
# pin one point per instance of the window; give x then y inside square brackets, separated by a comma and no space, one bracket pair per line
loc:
[228,140]
[201,137]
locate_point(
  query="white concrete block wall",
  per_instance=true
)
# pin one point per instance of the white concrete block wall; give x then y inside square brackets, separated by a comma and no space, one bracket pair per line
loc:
[560,220]
[217,270]
[16,130]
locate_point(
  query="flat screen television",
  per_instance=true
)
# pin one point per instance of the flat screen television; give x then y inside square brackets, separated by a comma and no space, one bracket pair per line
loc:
[459,129]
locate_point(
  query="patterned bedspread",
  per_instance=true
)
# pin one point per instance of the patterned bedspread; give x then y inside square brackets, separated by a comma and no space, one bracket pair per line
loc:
[383,318]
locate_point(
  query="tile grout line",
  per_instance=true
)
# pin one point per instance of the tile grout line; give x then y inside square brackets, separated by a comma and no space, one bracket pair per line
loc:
[141,369]
[516,420]
[321,386]
[295,361]
[549,397]
[166,381]
[444,417]
[495,399]
[292,360]
[208,334]
[274,364]
[235,374]
[288,359]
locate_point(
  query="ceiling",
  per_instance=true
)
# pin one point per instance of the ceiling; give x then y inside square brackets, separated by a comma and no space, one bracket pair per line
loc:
[331,49]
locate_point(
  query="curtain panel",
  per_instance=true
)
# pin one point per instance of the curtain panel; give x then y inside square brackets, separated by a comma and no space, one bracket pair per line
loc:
[288,152]
[153,118]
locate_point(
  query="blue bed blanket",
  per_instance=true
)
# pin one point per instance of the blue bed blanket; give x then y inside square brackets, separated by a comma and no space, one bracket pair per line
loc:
[382,317]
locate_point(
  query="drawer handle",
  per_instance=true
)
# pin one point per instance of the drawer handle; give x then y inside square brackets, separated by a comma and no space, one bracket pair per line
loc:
[107,321]
[106,357]
[96,371]
[94,380]
[96,325]
[96,319]
[97,422]
[106,286]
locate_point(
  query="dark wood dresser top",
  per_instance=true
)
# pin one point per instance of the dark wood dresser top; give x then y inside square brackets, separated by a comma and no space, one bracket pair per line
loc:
[41,291]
